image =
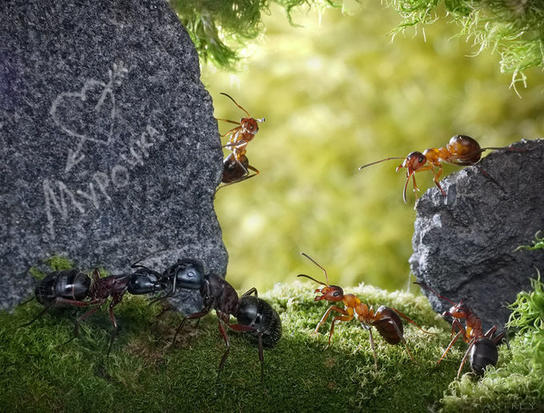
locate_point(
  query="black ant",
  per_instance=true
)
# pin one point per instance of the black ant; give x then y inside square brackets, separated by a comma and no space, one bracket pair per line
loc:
[77,289]
[254,315]
[460,150]
[482,347]
[385,319]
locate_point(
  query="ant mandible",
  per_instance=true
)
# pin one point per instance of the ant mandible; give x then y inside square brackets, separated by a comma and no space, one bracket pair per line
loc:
[461,150]
[482,347]
[385,319]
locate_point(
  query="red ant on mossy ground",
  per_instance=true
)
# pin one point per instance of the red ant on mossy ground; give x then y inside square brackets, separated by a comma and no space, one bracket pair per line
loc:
[385,319]
[482,347]
[461,150]
[236,165]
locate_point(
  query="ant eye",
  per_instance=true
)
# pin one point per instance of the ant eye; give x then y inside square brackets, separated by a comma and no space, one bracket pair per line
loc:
[421,159]
[336,294]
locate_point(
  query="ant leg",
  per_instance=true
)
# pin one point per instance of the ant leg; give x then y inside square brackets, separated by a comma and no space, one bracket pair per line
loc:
[45,310]
[408,349]
[251,291]
[227,345]
[198,315]
[346,317]
[488,176]
[408,319]
[371,344]
[27,301]
[452,342]
[465,358]
[435,179]
[489,333]
[115,300]
[326,315]
[261,356]
[457,326]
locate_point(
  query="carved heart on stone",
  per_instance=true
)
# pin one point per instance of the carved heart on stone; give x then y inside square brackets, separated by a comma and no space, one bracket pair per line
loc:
[88,114]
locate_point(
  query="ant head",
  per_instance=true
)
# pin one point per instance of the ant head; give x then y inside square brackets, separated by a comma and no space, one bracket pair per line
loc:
[328,292]
[459,310]
[413,162]
[188,274]
[249,125]
[331,293]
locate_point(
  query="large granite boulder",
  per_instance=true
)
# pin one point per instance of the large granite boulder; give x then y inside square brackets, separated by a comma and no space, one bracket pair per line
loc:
[466,244]
[109,150]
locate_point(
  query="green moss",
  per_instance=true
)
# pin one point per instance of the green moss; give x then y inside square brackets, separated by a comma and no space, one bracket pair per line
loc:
[55,263]
[219,29]
[514,29]
[143,372]
[538,244]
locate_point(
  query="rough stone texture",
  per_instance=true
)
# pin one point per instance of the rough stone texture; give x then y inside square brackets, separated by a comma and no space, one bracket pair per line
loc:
[464,244]
[109,149]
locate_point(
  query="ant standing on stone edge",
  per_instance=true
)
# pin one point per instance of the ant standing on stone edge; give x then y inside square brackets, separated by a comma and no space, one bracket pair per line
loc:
[460,150]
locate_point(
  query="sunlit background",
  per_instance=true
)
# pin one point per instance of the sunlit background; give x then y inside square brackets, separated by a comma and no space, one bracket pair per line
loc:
[336,93]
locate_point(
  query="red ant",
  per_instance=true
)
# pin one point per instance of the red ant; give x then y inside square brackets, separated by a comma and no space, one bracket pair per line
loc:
[482,347]
[242,134]
[236,165]
[460,150]
[385,319]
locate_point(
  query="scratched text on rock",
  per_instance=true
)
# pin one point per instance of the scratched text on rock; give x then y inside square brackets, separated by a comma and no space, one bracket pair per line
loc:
[88,116]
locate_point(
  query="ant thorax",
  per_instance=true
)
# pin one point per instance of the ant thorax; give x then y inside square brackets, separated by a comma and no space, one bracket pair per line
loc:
[364,312]
[435,155]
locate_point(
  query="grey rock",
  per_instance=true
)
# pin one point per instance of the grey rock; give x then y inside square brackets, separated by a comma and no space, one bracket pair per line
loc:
[465,243]
[109,150]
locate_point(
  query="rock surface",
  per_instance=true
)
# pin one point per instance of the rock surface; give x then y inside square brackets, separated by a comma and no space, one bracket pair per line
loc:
[465,243]
[109,150]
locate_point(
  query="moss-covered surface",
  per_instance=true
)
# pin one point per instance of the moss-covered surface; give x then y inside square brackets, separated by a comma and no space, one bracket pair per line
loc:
[41,373]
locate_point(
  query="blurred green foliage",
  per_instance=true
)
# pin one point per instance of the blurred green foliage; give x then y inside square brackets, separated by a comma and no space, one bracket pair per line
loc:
[220,28]
[337,93]
[512,28]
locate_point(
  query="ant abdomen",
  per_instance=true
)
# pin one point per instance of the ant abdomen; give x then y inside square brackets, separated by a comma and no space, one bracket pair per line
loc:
[483,353]
[466,149]
[257,313]
[67,284]
[389,325]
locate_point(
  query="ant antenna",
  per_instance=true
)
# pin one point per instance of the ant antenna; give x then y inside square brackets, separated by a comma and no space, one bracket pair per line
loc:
[380,161]
[236,103]
[316,263]
[425,286]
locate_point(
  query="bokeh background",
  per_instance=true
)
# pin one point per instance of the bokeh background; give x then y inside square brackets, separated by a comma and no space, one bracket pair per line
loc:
[337,92]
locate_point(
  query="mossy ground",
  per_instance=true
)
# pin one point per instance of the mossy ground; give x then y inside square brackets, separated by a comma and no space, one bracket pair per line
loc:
[41,373]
